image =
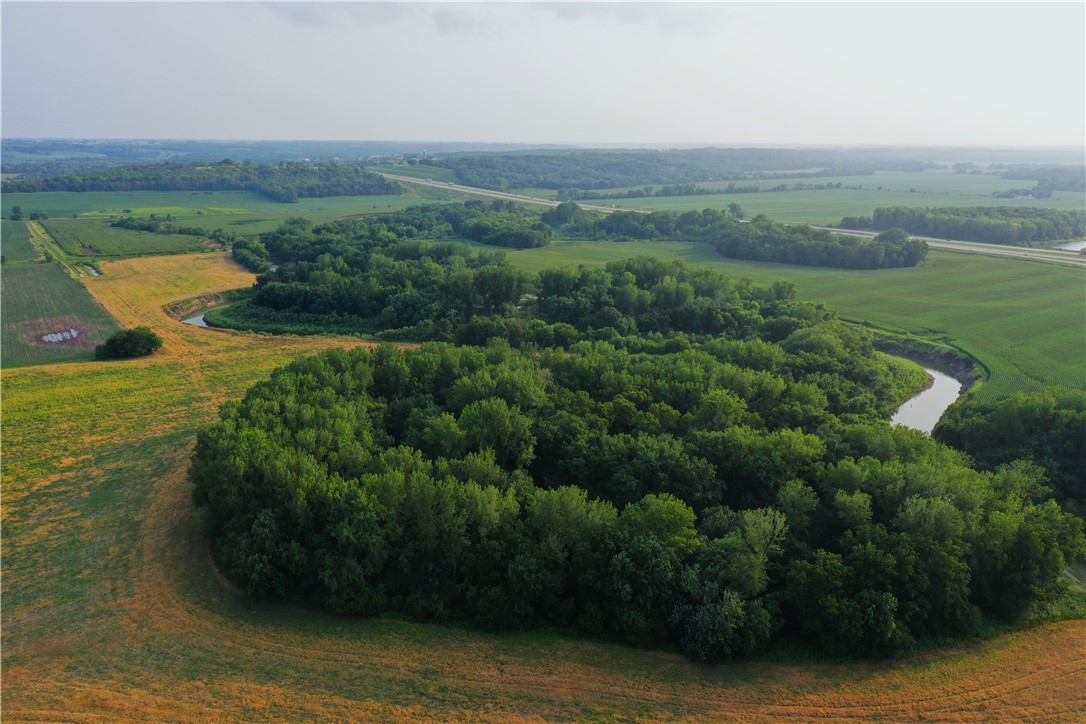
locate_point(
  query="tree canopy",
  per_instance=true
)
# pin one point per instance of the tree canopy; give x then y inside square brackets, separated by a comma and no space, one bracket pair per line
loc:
[286,182]
[137,342]
[678,500]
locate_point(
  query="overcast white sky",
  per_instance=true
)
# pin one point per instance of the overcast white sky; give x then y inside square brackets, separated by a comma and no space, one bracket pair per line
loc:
[728,73]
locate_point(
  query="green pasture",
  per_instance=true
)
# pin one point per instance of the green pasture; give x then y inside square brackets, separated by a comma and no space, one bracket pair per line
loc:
[829,206]
[41,298]
[421,171]
[163,211]
[15,242]
[242,212]
[112,242]
[1022,319]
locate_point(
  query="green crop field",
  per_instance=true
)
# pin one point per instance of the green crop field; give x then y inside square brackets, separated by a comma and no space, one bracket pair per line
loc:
[421,171]
[1023,320]
[15,242]
[829,206]
[40,299]
[78,236]
[242,212]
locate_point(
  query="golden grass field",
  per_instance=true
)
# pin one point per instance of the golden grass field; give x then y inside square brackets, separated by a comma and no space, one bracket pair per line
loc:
[114,611]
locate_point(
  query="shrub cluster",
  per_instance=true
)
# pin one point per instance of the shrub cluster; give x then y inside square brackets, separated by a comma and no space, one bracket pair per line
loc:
[137,342]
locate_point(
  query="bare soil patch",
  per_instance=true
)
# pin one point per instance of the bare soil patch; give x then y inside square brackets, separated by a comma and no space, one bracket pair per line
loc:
[89,250]
[60,329]
[188,307]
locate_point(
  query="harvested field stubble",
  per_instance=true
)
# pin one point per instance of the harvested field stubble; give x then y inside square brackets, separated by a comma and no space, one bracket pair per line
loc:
[114,610]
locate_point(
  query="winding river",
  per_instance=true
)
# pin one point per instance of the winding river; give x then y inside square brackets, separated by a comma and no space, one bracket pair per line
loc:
[197,321]
[923,410]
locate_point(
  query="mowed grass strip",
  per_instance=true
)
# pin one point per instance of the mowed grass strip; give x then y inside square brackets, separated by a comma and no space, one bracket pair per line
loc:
[15,242]
[40,299]
[1022,319]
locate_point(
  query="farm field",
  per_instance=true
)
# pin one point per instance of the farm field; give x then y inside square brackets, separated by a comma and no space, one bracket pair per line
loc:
[829,206]
[15,242]
[40,299]
[95,237]
[242,212]
[113,610]
[1022,319]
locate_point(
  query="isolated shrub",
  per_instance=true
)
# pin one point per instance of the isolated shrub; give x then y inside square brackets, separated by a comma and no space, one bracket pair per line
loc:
[138,342]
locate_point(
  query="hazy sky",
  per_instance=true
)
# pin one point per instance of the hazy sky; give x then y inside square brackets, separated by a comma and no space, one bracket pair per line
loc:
[727,73]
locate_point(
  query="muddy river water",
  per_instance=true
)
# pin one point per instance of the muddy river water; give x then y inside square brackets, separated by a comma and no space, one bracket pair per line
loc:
[923,410]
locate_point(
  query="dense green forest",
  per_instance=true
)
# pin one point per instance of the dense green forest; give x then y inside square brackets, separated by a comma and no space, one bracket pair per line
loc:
[763,239]
[136,342]
[285,182]
[989,224]
[612,169]
[60,157]
[368,276]
[713,500]
[1047,428]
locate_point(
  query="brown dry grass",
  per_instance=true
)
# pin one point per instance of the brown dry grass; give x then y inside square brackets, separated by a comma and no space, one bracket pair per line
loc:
[114,611]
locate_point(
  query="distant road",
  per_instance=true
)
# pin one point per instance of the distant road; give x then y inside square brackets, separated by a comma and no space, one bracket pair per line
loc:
[476,191]
[1059,256]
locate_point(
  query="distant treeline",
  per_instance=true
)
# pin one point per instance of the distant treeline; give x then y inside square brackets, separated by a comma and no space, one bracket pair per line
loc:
[686,190]
[1050,178]
[1046,428]
[989,224]
[616,169]
[499,223]
[286,182]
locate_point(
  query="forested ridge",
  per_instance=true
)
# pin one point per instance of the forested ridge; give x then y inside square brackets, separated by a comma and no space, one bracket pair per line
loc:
[285,182]
[602,169]
[713,500]
[989,224]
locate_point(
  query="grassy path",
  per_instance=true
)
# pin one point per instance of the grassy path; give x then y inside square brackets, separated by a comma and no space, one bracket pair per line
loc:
[113,610]
[47,245]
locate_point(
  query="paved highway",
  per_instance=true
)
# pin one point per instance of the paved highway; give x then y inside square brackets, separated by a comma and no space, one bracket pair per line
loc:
[1058,256]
